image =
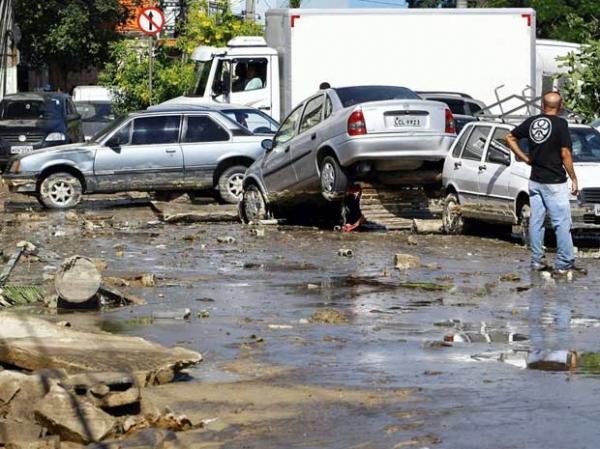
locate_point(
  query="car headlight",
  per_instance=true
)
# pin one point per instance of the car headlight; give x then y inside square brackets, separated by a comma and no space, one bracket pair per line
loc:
[53,137]
[15,167]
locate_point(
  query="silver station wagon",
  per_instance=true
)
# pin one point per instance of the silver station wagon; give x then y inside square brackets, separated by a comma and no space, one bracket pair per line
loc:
[173,150]
[485,182]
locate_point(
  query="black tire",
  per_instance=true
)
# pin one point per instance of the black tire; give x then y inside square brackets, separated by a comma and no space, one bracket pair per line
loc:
[230,184]
[452,220]
[253,206]
[524,215]
[334,180]
[59,191]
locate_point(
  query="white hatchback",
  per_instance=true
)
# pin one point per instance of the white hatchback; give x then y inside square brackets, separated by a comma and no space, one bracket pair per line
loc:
[484,181]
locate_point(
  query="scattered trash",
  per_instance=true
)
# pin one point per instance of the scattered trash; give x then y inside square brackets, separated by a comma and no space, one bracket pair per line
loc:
[547,360]
[510,277]
[427,226]
[406,261]
[77,282]
[329,316]
[258,232]
[345,252]
[280,326]
[203,314]
[182,314]
[190,213]
[313,286]
[226,239]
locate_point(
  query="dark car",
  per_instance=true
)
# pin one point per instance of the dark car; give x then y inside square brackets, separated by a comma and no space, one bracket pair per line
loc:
[463,106]
[95,116]
[32,120]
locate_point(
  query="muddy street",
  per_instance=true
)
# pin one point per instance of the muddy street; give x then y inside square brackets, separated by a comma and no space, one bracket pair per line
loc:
[307,346]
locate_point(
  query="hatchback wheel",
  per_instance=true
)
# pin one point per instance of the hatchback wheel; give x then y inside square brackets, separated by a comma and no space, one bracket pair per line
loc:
[452,219]
[253,206]
[230,184]
[60,191]
[524,216]
[333,179]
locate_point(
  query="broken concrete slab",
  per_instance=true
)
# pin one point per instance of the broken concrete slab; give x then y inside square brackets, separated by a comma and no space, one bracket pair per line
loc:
[73,418]
[50,442]
[18,431]
[104,390]
[31,343]
[19,391]
[427,226]
[145,439]
[189,213]
[406,261]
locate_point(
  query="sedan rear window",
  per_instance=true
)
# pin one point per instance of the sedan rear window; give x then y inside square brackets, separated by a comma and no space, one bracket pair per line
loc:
[350,96]
[29,109]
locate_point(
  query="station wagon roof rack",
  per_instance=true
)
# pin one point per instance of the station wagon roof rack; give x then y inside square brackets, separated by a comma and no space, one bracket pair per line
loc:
[520,107]
[442,92]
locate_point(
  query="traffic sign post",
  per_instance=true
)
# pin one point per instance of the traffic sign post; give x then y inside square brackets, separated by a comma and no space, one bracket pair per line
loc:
[151,21]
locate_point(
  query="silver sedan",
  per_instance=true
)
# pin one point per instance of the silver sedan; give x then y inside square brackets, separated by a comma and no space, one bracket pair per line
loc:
[382,133]
[173,150]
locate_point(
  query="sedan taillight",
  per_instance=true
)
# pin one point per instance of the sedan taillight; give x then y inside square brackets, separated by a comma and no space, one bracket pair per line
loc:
[450,125]
[356,124]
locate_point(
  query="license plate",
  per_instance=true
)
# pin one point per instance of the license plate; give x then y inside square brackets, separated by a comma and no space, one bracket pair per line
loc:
[597,210]
[405,122]
[21,149]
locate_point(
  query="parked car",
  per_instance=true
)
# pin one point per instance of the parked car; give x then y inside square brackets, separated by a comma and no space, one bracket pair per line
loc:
[484,181]
[342,134]
[251,118]
[94,103]
[175,150]
[596,124]
[33,120]
[463,106]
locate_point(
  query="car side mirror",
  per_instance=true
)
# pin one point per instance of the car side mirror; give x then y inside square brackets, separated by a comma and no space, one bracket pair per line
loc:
[74,116]
[498,157]
[267,145]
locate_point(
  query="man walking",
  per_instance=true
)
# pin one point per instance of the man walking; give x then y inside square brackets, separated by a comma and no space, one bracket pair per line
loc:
[549,156]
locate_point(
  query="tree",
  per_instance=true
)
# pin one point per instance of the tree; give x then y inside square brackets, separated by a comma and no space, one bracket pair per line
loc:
[127,73]
[295,3]
[73,34]
[582,89]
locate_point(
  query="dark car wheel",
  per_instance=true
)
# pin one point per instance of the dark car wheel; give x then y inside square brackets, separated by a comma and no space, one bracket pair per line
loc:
[230,184]
[333,179]
[60,191]
[452,220]
[253,206]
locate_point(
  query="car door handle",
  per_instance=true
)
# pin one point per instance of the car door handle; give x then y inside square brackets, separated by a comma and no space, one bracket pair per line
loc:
[457,164]
[313,137]
[170,150]
[482,167]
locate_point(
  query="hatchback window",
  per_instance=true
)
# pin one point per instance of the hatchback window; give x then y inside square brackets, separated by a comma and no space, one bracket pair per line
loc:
[475,108]
[288,128]
[312,114]
[476,143]
[461,143]
[204,129]
[456,106]
[349,96]
[155,130]
[498,144]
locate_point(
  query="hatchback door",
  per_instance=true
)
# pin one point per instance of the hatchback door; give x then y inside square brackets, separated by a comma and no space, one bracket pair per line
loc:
[405,116]
[149,156]
[204,143]
[277,171]
[466,170]
[495,176]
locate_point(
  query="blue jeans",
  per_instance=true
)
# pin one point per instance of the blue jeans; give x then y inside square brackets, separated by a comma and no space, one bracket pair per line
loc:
[553,199]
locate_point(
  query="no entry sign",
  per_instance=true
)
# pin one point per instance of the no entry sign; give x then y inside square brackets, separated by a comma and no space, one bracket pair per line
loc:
[151,20]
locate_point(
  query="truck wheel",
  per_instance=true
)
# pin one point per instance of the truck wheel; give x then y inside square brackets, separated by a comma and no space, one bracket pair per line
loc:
[452,220]
[524,216]
[253,206]
[60,191]
[230,184]
[333,179]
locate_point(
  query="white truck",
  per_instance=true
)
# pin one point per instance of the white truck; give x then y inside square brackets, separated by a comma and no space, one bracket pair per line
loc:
[471,51]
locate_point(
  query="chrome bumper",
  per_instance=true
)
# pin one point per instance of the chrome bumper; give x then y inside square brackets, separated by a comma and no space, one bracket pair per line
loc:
[21,183]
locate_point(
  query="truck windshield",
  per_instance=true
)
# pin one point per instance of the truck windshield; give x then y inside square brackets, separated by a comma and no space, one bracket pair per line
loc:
[202,72]
[29,109]
[350,96]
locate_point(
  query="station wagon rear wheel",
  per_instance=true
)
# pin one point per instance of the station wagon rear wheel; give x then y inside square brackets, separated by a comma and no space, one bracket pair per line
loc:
[60,191]
[253,206]
[452,219]
[230,184]
[333,179]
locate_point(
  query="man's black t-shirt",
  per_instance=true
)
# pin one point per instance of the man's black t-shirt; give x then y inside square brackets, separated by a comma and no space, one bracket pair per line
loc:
[547,135]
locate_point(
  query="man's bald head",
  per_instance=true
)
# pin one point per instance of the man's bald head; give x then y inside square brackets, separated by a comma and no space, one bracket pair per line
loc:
[552,102]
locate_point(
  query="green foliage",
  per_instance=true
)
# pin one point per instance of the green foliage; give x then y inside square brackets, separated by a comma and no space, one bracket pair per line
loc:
[127,73]
[295,3]
[74,34]
[582,89]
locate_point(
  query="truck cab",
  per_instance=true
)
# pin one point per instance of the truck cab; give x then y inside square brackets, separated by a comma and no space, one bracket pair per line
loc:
[245,72]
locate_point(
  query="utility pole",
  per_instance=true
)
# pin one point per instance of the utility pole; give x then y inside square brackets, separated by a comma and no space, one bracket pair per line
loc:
[462,3]
[251,10]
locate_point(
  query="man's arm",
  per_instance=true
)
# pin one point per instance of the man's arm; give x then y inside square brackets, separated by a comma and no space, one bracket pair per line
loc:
[568,163]
[513,144]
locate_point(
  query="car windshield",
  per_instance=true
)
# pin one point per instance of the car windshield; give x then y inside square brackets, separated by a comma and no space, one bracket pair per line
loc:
[34,109]
[586,144]
[350,96]
[95,111]
[108,130]
[255,121]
